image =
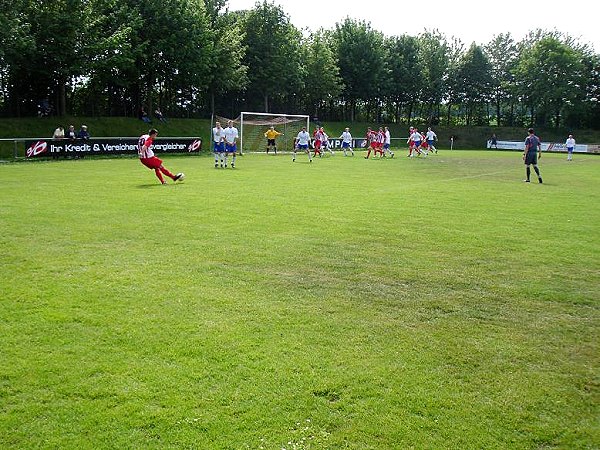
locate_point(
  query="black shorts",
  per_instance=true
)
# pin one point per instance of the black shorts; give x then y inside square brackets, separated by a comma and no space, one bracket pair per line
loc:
[531,158]
[271,142]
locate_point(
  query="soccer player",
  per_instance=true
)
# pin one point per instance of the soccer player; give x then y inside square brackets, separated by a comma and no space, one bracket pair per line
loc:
[371,142]
[431,137]
[317,138]
[271,134]
[148,159]
[570,146]
[231,136]
[325,141]
[380,139]
[346,138]
[218,144]
[302,142]
[414,141]
[387,142]
[410,142]
[533,151]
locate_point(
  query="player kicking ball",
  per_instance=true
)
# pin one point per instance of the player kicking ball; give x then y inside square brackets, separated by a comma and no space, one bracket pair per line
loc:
[148,159]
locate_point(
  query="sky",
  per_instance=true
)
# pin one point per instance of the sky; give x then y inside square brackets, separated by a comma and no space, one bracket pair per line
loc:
[469,21]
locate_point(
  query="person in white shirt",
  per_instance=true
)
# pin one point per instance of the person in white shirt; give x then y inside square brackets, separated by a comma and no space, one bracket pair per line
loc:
[218,144]
[231,136]
[414,141]
[431,137]
[325,141]
[346,138]
[570,147]
[387,141]
[302,142]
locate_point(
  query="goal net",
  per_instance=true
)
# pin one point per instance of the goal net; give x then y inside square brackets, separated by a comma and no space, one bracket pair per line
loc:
[253,126]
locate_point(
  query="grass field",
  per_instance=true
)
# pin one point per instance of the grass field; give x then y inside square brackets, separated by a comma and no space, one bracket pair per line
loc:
[427,303]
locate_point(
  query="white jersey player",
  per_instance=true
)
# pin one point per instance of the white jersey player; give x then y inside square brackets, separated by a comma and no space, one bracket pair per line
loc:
[302,142]
[346,138]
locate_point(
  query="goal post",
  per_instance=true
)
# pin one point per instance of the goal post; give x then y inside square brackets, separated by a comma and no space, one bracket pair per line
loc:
[253,126]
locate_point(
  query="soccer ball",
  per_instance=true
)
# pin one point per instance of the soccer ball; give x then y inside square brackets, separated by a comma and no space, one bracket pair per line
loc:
[180,176]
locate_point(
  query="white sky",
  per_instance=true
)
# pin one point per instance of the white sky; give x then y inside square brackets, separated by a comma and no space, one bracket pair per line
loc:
[467,20]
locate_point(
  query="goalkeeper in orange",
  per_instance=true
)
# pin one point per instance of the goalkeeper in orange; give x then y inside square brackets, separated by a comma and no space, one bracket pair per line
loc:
[271,134]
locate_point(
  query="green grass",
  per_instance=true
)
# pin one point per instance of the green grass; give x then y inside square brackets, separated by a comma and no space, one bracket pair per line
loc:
[438,303]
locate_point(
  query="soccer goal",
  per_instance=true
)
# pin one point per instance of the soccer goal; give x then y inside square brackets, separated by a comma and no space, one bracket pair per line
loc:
[253,126]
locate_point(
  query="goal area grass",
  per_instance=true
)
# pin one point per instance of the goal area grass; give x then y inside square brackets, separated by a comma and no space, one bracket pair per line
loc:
[434,302]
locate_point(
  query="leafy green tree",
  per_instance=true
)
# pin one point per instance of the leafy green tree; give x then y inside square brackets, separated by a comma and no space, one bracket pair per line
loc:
[52,56]
[550,77]
[178,48]
[228,74]
[433,64]
[502,52]
[361,55]
[16,45]
[452,85]
[475,81]
[322,82]
[112,51]
[403,81]
[273,53]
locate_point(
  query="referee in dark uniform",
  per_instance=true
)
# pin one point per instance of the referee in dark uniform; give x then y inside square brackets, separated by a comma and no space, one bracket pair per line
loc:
[533,151]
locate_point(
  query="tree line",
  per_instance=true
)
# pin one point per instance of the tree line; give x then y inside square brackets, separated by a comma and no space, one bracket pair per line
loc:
[193,58]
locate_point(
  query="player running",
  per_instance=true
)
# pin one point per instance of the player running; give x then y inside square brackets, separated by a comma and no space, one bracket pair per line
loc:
[148,159]
[414,142]
[431,137]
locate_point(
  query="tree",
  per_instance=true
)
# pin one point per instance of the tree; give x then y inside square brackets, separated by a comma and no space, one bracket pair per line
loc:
[502,53]
[16,45]
[228,74]
[433,63]
[176,36]
[403,81]
[322,82]
[273,53]
[361,55]
[474,81]
[50,55]
[550,77]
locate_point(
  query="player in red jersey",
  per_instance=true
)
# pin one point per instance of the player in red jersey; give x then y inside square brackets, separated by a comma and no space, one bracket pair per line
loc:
[371,142]
[317,141]
[380,139]
[148,159]
[410,142]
